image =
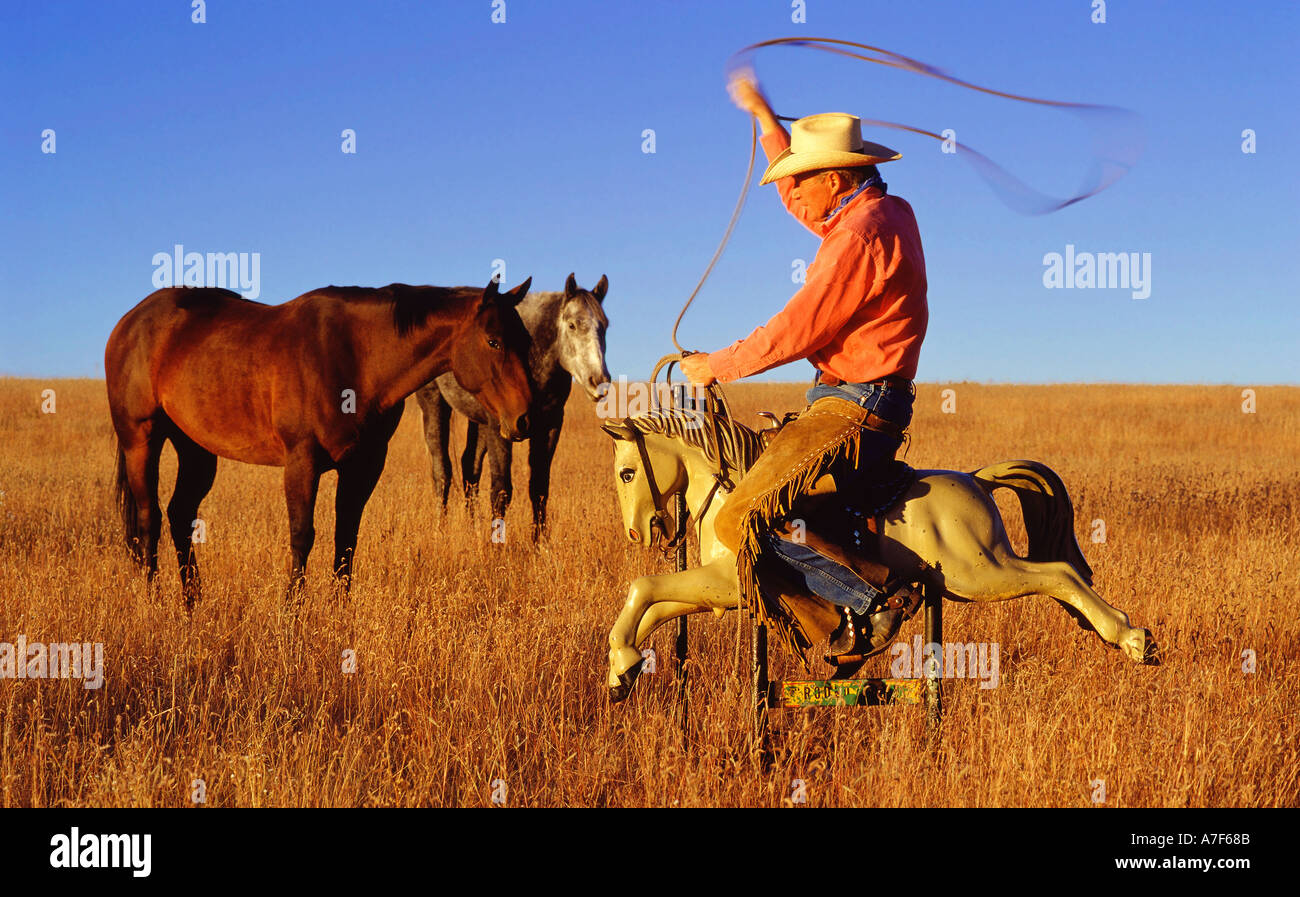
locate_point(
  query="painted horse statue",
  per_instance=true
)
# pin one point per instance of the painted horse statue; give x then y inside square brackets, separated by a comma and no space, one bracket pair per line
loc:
[944,529]
[315,384]
[568,343]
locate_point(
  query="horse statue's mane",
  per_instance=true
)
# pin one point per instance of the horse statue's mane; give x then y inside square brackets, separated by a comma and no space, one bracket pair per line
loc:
[692,428]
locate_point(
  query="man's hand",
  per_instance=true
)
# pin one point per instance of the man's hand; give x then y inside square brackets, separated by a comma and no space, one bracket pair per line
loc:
[748,96]
[696,368]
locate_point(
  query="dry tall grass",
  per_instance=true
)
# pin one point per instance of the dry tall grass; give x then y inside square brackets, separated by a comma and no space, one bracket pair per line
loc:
[478,662]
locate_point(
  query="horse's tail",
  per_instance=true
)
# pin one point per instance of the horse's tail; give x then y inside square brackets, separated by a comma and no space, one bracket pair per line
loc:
[1047,509]
[127,507]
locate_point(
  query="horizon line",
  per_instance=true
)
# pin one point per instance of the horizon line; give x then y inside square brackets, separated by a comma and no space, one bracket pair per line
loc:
[806,384]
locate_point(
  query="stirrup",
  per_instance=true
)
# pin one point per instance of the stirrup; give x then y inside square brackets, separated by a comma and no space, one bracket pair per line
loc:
[850,641]
[845,638]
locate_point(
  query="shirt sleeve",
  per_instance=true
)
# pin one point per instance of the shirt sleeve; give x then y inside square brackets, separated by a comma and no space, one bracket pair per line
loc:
[775,144]
[842,277]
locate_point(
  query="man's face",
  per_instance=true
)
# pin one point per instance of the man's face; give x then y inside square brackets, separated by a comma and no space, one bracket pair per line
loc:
[817,191]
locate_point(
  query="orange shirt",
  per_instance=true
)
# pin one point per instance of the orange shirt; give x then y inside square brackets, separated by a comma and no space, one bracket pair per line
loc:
[862,312]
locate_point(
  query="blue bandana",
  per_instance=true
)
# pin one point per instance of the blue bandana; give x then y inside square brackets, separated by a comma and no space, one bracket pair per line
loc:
[874,181]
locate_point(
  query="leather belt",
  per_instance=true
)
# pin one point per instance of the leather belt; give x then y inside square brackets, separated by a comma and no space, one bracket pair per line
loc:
[893,379]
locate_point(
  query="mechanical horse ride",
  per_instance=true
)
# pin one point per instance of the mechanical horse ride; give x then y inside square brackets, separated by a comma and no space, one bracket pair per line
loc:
[944,532]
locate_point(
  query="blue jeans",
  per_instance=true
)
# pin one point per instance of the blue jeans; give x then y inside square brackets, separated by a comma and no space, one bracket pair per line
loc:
[821,575]
[889,399]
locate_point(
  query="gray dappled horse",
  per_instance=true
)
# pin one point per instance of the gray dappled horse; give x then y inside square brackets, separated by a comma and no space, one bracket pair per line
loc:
[568,332]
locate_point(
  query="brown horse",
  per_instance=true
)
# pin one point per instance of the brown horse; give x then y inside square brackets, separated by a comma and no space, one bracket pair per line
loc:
[315,384]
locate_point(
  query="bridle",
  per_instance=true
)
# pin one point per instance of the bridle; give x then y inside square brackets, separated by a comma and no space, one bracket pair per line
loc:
[659,516]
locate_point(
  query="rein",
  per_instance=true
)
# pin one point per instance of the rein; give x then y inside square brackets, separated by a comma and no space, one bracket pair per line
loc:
[660,514]
[715,409]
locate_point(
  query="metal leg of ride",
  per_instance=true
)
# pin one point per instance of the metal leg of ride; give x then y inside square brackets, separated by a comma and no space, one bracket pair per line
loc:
[760,743]
[930,691]
[681,643]
[934,672]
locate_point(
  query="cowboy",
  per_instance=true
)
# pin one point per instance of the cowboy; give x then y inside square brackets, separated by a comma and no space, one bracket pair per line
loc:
[860,319]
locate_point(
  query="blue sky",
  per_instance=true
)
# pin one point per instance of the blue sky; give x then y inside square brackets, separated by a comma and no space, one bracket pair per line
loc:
[522,141]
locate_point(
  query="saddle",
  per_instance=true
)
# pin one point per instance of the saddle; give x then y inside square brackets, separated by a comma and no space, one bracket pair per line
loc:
[843,520]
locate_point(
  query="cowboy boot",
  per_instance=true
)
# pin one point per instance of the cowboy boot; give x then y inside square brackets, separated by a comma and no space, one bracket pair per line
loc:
[861,635]
[898,594]
[847,636]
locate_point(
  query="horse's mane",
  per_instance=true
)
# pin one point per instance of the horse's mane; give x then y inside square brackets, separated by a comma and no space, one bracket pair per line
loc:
[692,428]
[199,297]
[411,305]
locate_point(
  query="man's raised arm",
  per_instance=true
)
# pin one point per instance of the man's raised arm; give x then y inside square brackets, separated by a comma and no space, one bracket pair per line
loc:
[746,94]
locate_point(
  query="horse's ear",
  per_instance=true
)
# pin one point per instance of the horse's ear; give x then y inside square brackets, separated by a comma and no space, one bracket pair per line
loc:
[570,287]
[518,293]
[617,428]
[490,292]
[601,288]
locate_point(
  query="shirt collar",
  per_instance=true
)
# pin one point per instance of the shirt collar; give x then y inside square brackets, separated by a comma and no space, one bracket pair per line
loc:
[874,181]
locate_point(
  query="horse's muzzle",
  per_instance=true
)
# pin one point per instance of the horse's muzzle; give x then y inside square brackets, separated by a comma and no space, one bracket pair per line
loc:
[516,432]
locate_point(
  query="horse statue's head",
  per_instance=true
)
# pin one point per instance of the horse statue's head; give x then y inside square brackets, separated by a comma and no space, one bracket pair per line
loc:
[660,453]
[646,474]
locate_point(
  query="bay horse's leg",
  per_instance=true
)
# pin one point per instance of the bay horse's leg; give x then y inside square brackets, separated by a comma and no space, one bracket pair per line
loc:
[437,435]
[195,471]
[541,451]
[471,462]
[499,479]
[700,588]
[302,473]
[140,451]
[357,478]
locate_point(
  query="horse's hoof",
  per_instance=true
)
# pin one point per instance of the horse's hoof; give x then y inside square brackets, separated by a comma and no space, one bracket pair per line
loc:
[1140,647]
[618,693]
[1150,653]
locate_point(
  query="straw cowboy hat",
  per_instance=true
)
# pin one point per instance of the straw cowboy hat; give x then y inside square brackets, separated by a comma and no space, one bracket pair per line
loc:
[828,140]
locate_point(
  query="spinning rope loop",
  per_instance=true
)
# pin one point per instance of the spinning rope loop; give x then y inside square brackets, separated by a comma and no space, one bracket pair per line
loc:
[715,403]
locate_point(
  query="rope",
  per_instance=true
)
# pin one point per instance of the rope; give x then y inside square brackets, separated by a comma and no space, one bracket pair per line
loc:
[715,403]
[992,171]
[731,225]
[893,60]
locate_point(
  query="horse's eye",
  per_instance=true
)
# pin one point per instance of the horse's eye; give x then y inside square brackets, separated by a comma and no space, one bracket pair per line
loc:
[627,475]
[573,326]
[493,344]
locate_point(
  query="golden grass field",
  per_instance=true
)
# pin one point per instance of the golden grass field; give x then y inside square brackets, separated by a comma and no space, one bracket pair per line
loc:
[477,661]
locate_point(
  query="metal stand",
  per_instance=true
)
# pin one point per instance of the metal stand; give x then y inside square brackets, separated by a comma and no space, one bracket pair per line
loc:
[805,693]
[760,743]
[934,672]
[681,643]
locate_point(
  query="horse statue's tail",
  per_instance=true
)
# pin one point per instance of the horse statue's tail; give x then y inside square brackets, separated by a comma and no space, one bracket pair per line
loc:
[1047,509]
[127,507]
